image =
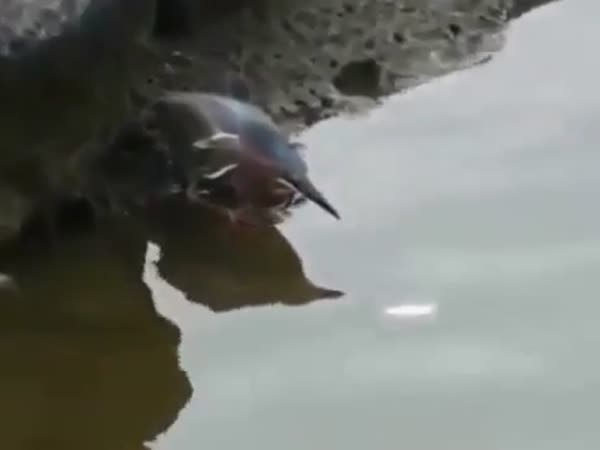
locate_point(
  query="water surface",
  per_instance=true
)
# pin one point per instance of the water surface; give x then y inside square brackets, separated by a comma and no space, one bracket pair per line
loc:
[469,254]
[472,196]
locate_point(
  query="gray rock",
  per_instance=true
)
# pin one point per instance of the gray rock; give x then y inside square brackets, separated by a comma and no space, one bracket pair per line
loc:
[66,68]
[306,61]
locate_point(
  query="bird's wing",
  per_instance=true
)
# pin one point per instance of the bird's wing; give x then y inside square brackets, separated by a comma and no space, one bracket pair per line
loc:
[25,22]
[251,129]
[212,114]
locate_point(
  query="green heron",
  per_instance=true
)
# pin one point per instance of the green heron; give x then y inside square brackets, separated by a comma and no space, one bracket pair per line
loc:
[231,156]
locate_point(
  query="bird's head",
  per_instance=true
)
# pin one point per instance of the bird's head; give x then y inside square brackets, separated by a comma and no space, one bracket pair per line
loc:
[270,145]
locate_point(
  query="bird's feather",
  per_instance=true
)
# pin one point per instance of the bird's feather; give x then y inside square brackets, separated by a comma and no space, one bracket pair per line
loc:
[257,131]
[219,140]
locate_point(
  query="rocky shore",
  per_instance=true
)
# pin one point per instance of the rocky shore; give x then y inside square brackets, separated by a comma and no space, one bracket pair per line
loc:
[73,74]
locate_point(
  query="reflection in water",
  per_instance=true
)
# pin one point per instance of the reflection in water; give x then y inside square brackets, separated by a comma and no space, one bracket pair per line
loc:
[88,363]
[225,267]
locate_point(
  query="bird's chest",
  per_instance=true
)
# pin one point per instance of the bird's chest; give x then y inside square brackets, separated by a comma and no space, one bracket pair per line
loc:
[260,184]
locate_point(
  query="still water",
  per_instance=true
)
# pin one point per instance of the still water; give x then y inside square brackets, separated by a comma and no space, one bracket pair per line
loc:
[468,256]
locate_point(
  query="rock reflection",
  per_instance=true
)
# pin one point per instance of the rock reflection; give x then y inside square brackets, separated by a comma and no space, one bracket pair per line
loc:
[225,267]
[87,362]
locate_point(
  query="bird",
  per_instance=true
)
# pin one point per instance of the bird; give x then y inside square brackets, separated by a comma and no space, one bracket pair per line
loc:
[228,154]
[66,71]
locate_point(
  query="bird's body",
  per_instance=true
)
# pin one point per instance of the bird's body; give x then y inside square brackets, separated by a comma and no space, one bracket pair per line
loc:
[232,156]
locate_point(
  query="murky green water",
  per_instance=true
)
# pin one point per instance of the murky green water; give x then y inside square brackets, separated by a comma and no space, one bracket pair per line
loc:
[469,253]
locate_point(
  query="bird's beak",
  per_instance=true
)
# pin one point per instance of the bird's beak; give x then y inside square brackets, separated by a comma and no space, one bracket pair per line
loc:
[307,188]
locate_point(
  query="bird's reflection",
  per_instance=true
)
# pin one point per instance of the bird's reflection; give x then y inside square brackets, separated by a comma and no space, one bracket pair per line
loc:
[87,361]
[226,267]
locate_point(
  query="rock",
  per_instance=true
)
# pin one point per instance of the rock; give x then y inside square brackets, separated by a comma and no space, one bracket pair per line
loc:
[306,61]
[521,7]
[66,68]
